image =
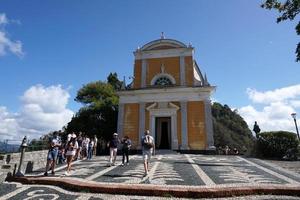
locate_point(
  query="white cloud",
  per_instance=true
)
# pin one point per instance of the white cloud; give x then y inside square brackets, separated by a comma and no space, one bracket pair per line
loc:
[3,19]
[8,124]
[43,109]
[6,44]
[280,94]
[277,106]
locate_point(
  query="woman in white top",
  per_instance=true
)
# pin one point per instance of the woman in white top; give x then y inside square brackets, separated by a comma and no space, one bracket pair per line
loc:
[72,146]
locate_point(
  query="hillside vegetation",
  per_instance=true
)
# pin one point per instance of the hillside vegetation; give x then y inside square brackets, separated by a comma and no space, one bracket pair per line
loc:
[231,130]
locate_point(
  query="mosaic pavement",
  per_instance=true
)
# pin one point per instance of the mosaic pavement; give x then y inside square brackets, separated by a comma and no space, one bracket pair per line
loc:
[165,169]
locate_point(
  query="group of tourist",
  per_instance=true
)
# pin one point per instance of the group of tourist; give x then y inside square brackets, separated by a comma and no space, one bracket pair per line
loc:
[227,151]
[81,146]
[75,147]
[147,142]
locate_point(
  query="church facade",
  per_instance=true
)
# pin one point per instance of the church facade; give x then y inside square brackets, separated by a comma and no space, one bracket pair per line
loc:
[168,96]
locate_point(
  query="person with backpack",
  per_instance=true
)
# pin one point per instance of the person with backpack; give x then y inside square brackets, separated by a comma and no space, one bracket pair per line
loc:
[125,149]
[147,148]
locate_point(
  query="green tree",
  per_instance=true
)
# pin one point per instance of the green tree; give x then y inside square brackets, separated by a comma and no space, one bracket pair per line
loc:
[99,113]
[288,10]
[277,144]
[113,80]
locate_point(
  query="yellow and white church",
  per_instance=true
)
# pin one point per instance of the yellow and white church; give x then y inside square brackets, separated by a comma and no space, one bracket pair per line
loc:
[168,96]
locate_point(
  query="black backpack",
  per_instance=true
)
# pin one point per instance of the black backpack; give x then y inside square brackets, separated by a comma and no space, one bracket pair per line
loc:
[147,142]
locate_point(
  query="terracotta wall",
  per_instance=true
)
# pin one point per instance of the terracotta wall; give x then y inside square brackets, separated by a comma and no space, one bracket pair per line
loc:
[189,70]
[131,122]
[196,125]
[137,73]
[172,67]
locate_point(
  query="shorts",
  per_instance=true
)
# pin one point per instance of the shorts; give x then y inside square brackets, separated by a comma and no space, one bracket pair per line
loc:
[52,154]
[147,155]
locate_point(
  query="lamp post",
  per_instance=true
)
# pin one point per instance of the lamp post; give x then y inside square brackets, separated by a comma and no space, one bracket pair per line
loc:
[22,147]
[294,117]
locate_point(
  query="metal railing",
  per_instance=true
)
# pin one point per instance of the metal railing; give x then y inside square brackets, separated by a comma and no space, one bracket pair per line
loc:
[10,146]
[13,146]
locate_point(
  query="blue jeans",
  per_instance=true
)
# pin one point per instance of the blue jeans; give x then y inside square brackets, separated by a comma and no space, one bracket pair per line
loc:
[90,153]
[52,154]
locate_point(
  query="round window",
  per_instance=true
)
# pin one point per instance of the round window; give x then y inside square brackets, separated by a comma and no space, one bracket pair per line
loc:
[163,81]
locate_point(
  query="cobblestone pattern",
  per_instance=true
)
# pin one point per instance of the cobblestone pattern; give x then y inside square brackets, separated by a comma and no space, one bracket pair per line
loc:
[37,192]
[187,170]
[180,169]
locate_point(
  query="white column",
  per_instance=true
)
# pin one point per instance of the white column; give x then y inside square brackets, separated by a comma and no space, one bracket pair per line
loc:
[141,122]
[174,132]
[209,125]
[120,119]
[184,136]
[152,126]
[182,71]
[144,72]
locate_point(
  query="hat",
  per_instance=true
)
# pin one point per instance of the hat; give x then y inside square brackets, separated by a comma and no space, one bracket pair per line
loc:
[115,134]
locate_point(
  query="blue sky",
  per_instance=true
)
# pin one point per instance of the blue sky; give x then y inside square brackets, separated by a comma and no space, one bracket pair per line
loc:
[51,48]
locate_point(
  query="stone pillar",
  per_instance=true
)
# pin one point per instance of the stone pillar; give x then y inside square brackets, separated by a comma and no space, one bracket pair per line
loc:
[120,120]
[174,137]
[184,130]
[182,71]
[144,72]
[209,125]
[152,126]
[141,122]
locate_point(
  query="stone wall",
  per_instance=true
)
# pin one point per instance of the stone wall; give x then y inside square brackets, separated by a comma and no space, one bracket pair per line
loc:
[32,161]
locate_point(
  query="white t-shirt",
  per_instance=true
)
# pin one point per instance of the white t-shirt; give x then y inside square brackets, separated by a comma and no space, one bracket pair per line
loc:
[91,144]
[150,139]
[73,135]
[73,151]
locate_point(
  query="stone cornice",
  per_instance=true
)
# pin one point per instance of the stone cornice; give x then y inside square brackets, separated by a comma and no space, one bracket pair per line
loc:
[166,94]
[163,53]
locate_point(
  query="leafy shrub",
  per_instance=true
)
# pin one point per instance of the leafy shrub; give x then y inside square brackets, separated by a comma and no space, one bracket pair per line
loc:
[276,144]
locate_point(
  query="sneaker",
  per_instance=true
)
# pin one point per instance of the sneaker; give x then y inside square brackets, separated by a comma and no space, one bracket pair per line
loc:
[46,174]
[122,164]
[145,174]
[67,173]
[53,173]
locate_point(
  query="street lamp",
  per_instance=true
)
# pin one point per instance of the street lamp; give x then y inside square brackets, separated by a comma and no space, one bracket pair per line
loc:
[294,117]
[22,147]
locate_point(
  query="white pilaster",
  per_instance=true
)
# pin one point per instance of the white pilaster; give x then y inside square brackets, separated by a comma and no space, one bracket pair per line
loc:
[141,122]
[182,71]
[152,127]
[209,125]
[184,136]
[174,137]
[120,119]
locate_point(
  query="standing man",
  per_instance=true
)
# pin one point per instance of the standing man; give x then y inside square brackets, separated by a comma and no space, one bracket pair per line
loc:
[147,147]
[125,149]
[95,145]
[113,148]
[256,129]
[54,144]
